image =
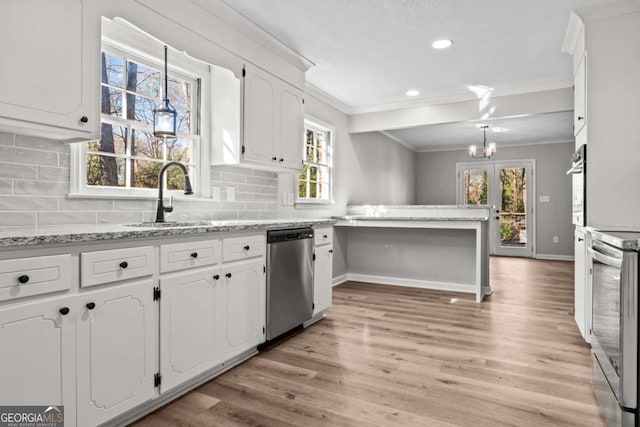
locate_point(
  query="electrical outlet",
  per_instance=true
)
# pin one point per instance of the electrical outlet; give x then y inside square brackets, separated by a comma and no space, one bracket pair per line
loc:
[231,194]
[545,199]
[215,193]
[556,239]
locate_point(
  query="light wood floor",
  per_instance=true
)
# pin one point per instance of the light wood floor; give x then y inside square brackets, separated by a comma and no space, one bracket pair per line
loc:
[387,356]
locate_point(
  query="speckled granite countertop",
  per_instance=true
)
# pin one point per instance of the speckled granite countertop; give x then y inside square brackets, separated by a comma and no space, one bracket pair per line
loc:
[407,218]
[423,206]
[89,233]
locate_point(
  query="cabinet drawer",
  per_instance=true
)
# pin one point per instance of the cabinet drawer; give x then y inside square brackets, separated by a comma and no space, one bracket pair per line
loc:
[323,235]
[25,277]
[234,248]
[101,267]
[178,256]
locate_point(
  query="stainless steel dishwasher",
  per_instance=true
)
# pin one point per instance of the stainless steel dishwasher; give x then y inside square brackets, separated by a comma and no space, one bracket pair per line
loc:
[289,279]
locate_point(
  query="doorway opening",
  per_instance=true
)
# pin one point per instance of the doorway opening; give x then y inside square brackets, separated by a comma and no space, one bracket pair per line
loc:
[507,187]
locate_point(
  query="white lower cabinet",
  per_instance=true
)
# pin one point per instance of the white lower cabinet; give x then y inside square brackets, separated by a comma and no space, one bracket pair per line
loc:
[242,315]
[37,355]
[189,342]
[117,351]
[580,282]
[322,278]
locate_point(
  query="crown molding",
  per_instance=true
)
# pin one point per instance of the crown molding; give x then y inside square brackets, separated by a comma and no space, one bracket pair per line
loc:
[398,140]
[607,10]
[327,99]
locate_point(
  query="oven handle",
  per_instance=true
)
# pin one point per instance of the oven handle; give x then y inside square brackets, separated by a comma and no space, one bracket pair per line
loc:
[604,258]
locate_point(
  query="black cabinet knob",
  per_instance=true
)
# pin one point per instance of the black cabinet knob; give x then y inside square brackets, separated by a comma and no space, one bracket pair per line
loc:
[23,279]
[580,118]
[274,158]
[228,275]
[124,264]
[84,119]
[91,305]
[497,217]
[64,311]
[324,236]
[216,277]
[580,239]
[194,255]
[281,160]
[246,248]
[330,251]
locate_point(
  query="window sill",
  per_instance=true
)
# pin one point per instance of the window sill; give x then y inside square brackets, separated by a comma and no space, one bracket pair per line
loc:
[312,204]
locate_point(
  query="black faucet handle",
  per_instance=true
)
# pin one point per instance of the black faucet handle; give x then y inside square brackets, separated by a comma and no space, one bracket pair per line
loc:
[169,207]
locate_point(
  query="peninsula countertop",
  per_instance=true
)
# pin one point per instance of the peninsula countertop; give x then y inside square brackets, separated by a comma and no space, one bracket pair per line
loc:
[29,236]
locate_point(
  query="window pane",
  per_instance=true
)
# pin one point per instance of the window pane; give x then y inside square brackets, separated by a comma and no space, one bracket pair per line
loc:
[111,101]
[313,173]
[179,93]
[146,145]
[475,187]
[322,190]
[105,170]
[310,154]
[144,173]
[112,69]
[179,150]
[302,189]
[312,190]
[113,140]
[143,80]
[320,146]
[175,178]
[183,121]
[140,108]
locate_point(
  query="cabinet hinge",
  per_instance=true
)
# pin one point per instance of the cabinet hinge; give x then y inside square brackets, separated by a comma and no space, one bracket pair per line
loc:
[243,149]
[263,330]
[244,72]
[314,257]
[303,100]
[157,380]
[264,269]
[156,293]
[313,305]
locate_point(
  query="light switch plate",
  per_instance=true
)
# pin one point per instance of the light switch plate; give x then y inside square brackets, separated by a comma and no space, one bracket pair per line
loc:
[545,199]
[215,193]
[231,194]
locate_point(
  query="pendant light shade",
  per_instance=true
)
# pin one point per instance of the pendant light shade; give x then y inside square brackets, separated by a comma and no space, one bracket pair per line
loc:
[488,150]
[164,118]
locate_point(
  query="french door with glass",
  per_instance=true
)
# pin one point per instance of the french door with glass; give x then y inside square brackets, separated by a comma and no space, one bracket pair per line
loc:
[507,188]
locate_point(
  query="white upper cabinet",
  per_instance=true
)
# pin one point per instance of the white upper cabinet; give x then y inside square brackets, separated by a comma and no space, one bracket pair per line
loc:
[272,123]
[50,68]
[579,97]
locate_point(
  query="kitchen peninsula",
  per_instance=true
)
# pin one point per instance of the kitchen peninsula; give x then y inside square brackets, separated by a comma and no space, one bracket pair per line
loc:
[428,246]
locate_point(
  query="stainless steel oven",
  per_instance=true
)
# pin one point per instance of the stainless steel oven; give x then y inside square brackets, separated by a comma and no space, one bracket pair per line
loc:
[614,334]
[578,174]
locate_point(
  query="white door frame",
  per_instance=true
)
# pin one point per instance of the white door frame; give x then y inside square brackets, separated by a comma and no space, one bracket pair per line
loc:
[492,166]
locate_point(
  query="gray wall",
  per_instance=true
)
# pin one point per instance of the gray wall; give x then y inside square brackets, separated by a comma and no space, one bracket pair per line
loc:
[436,184]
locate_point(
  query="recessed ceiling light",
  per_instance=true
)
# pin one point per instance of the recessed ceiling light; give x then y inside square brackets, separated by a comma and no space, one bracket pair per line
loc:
[442,44]
[413,92]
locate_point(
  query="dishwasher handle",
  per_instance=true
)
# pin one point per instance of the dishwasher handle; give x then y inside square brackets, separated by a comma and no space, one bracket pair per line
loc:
[278,236]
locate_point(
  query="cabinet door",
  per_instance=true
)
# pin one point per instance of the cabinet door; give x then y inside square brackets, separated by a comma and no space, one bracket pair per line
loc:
[580,282]
[117,351]
[322,278]
[51,50]
[244,297]
[189,344]
[260,90]
[37,360]
[290,126]
[579,97]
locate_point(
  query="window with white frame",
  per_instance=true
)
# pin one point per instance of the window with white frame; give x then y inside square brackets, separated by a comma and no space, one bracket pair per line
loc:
[315,180]
[128,157]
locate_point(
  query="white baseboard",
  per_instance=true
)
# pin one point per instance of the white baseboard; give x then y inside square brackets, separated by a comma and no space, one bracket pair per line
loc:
[551,257]
[340,279]
[413,283]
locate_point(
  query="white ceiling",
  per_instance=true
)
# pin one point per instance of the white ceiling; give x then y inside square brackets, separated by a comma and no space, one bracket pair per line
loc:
[550,127]
[368,53]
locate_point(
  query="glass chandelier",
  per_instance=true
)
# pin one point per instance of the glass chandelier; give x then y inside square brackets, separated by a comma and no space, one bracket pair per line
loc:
[488,150]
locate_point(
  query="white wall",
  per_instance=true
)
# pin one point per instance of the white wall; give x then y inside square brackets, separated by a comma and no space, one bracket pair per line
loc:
[436,184]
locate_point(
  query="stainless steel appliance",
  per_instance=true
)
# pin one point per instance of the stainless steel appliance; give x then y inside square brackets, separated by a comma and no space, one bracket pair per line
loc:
[578,173]
[614,339]
[289,279]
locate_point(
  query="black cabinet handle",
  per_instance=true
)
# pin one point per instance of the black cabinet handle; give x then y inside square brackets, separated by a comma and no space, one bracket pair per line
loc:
[23,279]
[216,277]
[228,275]
[246,248]
[91,305]
[124,264]
[194,255]
[274,158]
[64,311]
[84,119]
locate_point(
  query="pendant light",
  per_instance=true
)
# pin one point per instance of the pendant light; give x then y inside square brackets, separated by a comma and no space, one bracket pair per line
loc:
[488,150]
[164,118]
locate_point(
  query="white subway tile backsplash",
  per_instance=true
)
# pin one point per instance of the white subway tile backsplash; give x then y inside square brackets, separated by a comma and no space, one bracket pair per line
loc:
[34,183]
